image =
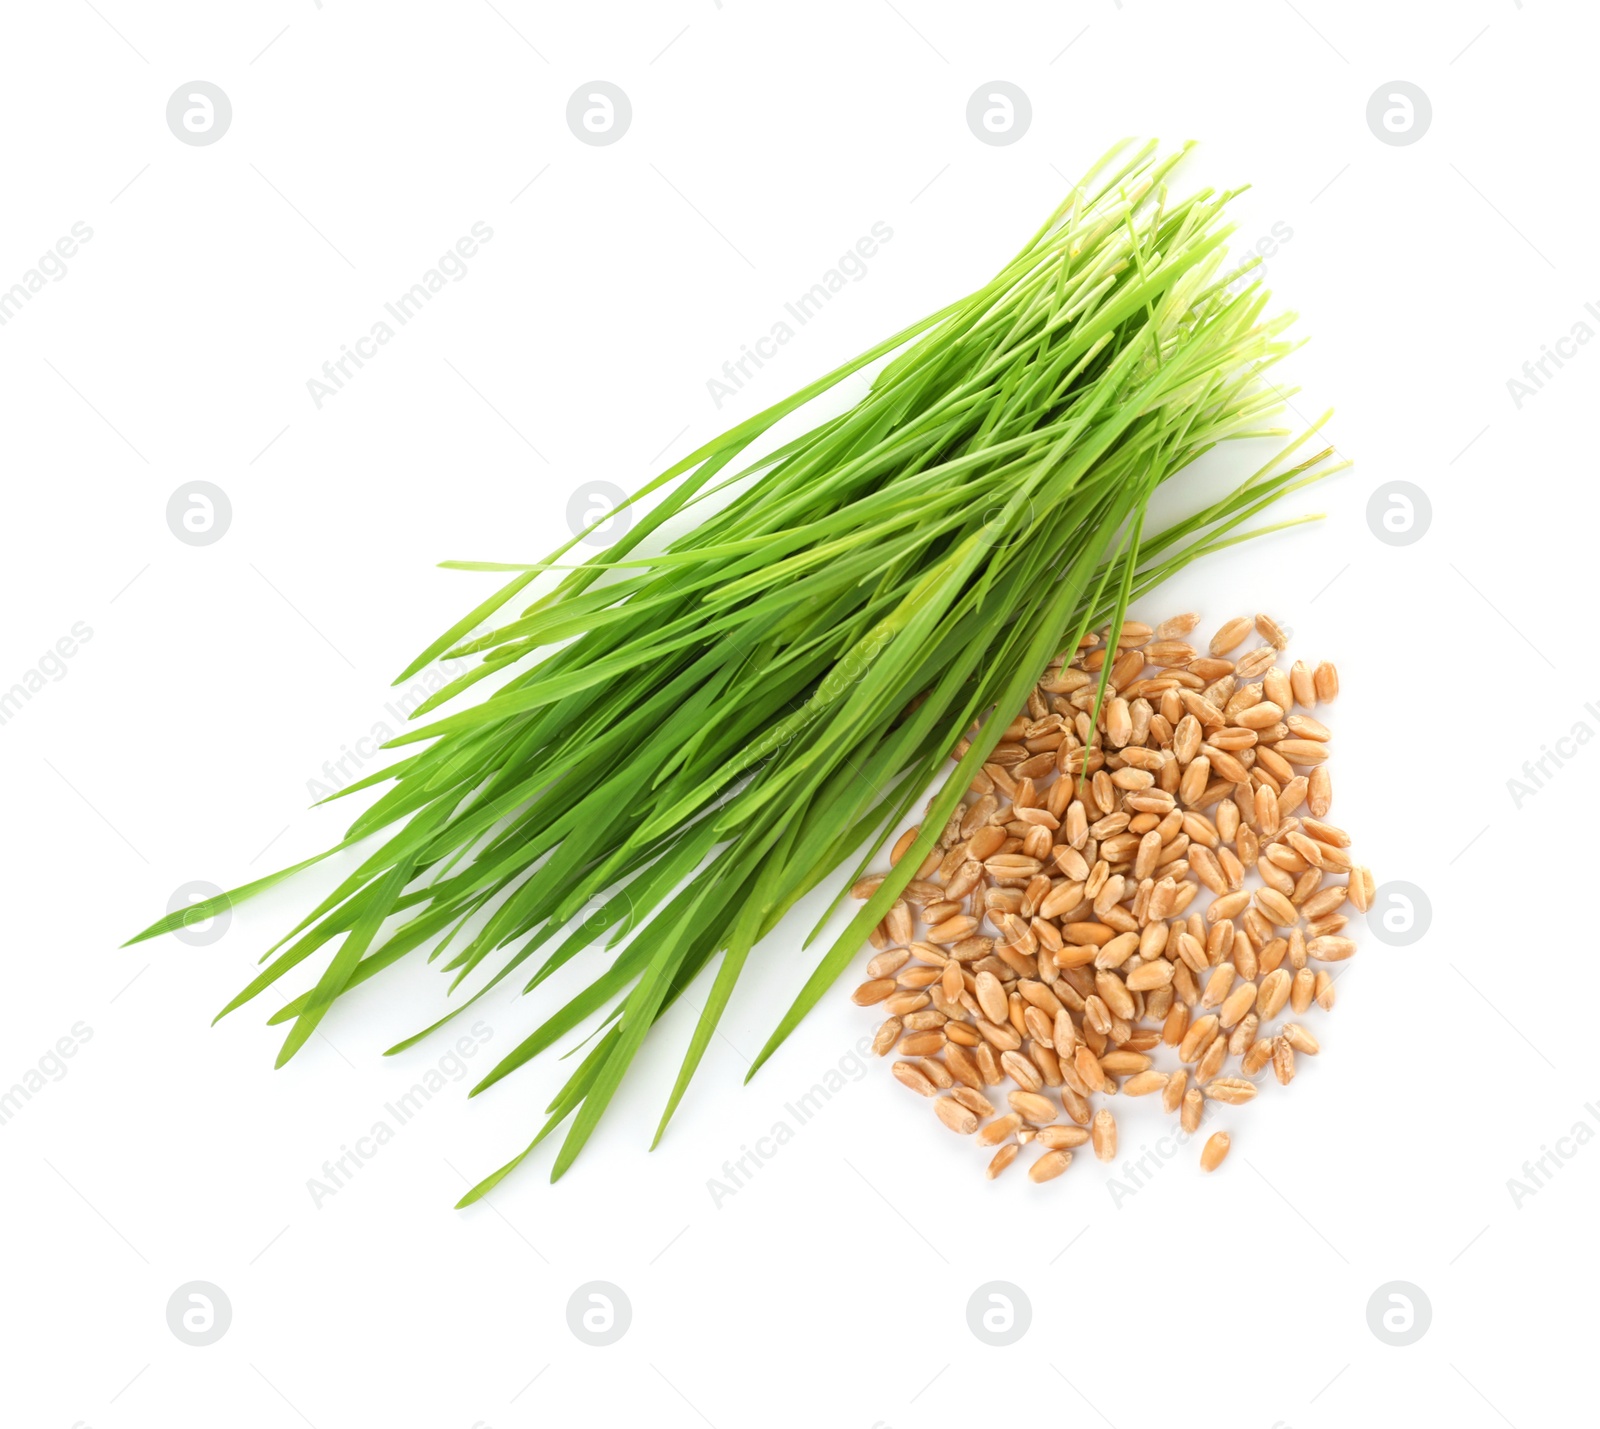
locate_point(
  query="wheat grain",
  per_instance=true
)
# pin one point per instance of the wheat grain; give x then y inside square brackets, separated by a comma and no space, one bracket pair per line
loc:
[1325,992]
[955,1116]
[1230,635]
[1331,949]
[923,1044]
[1032,1107]
[999,1129]
[1213,1153]
[1302,990]
[1361,888]
[1050,1165]
[873,991]
[1193,1110]
[1048,942]
[1257,1057]
[1211,1060]
[1282,1060]
[909,1075]
[1104,1135]
[1270,631]
[1235,1091]
[1003,1158]
[1301,1040]
[972,1099]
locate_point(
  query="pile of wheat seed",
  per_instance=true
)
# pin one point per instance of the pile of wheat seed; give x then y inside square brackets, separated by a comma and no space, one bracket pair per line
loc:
[1055,941]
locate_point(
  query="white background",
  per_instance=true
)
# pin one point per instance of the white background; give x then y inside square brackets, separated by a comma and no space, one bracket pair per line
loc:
[766,139]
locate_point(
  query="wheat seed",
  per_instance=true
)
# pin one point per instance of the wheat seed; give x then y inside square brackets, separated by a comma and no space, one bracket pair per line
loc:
[1104,1135]
[1062,1137]
[1193,1110]
[1325,992]
[1215,1151]
[1233,1090]
[1303,990]
[923,1044]
[1142,1084]
[957,1117]
[1230,636]
[1282,1060]
[1301,1040]
[1272,994]
[873,991]
[1091,901]
[1003,1158]
[1050,1165]
[998,1130]
[1268,629]
[1361,889]
[1211,1060]
[1257,1057]
[1032,1107]
[907,1074]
